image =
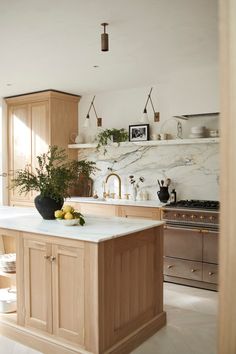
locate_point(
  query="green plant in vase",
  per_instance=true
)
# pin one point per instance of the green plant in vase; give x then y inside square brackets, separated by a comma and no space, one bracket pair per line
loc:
[53,177]
[111,135]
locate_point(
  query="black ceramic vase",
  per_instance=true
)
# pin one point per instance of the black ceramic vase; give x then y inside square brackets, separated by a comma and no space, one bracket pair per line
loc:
[47,206]
[163,194]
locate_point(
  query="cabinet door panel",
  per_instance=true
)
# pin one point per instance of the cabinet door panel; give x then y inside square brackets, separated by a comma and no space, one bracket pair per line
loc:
[210,247]
[19,144]
[37,277]
[40,134]
[183,243]
[68,293]
[139,212]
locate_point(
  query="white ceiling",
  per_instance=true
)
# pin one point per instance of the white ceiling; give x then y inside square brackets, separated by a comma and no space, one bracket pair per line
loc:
[55,43]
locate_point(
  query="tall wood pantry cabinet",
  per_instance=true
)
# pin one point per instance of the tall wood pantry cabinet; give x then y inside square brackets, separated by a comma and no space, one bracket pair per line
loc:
[35,121]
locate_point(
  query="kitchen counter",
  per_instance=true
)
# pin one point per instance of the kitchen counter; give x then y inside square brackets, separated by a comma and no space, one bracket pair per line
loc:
[84,289]
[138,203]
[96,229]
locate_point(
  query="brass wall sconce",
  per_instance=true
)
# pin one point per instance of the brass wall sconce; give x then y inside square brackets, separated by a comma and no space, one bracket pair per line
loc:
[87,119]
[144,119]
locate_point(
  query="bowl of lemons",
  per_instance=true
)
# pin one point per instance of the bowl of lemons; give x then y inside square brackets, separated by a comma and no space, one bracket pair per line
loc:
[68,216]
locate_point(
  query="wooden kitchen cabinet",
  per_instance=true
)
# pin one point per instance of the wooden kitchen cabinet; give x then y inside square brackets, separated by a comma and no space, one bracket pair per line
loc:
[138,212]
[54,287]
[117,210]
[36,121]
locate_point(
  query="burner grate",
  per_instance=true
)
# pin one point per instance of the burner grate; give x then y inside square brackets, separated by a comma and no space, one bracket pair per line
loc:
[196,204]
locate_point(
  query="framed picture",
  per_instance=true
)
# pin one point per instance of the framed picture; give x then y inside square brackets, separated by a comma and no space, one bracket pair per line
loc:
[139,132]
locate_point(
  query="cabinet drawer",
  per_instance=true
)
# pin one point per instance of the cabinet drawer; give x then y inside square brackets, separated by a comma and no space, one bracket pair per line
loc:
[139,212]
[210,247]
[183,243]
[182,268]
[210,273]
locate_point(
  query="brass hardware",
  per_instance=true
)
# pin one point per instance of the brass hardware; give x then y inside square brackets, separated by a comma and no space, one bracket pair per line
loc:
[183,216]
[53,258]
[211,217]
[193,216]
[119,180]
[202,217]
[112,195]
[170,266]
[126,195]
[46,256]
[205,231]
[175,215]
[210,274]
[193,270]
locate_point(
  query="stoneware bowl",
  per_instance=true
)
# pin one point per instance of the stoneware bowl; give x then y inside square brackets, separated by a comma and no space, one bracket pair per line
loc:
[70,222]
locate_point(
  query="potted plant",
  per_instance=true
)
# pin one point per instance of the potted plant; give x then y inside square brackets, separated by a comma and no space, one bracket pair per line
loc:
[52,178]
[111,135]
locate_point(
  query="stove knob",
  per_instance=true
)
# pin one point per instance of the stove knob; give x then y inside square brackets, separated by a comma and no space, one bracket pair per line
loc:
[202,217]
[175,215]
[193,217]
[183,216]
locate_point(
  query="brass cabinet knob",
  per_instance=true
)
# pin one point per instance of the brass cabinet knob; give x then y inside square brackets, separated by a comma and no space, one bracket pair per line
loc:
[183,216]
[210,273]
[53,258]
[170,266]
[46,256]
[193,270]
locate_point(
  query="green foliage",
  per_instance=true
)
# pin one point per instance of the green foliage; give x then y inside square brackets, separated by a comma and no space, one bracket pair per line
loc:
[54,175]
[115,135]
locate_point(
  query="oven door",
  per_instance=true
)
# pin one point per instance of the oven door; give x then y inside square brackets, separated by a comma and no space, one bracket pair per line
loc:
[190,254]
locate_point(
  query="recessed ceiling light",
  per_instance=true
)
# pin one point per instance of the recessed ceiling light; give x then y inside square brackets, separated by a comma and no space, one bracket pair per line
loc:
[96,66]
[9,84]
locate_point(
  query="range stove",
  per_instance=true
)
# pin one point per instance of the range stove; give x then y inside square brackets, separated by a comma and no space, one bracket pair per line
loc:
[192,213]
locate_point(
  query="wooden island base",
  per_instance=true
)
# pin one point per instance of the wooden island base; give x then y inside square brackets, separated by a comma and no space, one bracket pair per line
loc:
[77,296]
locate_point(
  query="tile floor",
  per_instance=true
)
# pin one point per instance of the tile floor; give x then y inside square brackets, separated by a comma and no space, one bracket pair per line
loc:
[190,329]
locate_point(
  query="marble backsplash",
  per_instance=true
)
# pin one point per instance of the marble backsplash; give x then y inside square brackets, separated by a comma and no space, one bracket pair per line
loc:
[193,169]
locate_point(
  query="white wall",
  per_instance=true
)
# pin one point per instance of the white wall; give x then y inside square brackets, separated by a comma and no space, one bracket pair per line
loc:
[194,90]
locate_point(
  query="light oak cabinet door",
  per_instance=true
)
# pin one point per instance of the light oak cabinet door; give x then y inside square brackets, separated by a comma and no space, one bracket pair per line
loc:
[139,212]
[19,144]
[54,289]
[68,293]
[36,121]
[37,279]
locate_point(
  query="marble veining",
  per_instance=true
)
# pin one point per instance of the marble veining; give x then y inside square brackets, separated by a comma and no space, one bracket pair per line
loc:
[193,168]
[96,229]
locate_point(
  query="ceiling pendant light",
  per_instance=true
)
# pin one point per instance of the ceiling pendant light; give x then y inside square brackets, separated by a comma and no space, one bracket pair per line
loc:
[87,119]
[104,39]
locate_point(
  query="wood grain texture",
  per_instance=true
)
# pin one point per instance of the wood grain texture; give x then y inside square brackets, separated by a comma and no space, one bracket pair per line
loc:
[43,119]
[139,212]
[103,298]
[227,313]
[134,260]
[68,293]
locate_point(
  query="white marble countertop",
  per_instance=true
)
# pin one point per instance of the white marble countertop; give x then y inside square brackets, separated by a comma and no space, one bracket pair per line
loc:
[96,228]
[138,203]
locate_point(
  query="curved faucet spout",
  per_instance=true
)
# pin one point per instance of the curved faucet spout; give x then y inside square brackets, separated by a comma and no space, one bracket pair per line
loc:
[119,181]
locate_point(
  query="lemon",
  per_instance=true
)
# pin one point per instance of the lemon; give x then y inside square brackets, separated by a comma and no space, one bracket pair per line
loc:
[59,214]
[68,216]
[68,209]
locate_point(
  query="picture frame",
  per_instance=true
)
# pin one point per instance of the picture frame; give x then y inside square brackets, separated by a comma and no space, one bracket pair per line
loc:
[139,132]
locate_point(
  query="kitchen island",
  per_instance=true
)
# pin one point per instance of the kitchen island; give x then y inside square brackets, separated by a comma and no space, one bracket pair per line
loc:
[91,289]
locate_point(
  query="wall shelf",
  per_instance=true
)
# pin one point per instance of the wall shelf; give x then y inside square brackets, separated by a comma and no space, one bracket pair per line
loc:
[151,143]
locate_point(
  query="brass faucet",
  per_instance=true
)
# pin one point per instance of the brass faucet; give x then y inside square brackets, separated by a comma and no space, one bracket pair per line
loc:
[119,180]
